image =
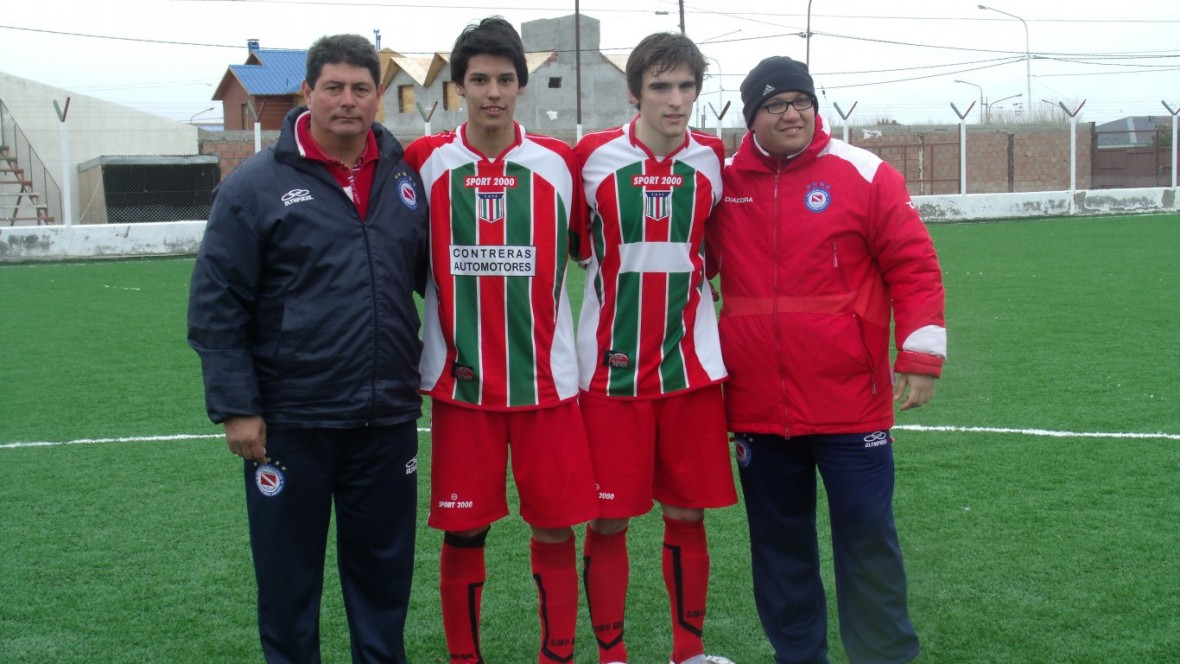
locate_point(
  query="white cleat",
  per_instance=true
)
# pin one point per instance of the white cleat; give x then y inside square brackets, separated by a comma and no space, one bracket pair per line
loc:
[706,659]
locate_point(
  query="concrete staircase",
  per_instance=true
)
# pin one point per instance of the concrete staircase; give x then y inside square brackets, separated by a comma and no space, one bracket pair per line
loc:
[19,203]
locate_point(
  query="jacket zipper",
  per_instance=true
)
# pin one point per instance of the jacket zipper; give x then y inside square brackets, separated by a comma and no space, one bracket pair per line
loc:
[372,297]
[860,331]
[774,306]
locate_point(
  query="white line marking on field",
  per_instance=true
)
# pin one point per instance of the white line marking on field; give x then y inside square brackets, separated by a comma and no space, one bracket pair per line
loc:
[1038,432]
[128,439]
[902,427]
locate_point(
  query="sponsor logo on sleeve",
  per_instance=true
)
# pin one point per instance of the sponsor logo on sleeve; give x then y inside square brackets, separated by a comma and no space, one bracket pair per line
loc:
[297,196]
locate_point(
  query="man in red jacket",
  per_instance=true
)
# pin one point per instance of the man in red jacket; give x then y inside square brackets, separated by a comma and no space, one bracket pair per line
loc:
[819,247]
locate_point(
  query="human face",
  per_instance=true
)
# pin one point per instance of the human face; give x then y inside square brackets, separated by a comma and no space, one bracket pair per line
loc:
[490,87]
[665,106]
[343,105]
[788,133]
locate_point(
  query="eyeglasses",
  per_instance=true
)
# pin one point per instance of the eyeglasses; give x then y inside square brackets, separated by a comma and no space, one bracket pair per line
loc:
[778,107]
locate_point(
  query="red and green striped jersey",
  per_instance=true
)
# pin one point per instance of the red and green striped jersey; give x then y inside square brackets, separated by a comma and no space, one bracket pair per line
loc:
[647,327]
[497,325]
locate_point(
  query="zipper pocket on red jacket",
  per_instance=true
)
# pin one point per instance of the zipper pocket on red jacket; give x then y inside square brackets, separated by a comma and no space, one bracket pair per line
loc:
[860,332]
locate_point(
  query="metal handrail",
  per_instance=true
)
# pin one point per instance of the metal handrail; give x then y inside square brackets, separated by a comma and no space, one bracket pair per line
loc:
[45,191]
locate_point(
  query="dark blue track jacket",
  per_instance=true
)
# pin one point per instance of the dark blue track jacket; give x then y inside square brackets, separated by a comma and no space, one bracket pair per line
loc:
[299,310]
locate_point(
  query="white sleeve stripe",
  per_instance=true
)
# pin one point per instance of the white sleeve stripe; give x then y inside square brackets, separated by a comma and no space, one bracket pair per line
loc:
[930,340]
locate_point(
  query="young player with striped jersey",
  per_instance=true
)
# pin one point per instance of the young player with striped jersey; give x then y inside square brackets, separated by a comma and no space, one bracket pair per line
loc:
[648,351]
[499,361]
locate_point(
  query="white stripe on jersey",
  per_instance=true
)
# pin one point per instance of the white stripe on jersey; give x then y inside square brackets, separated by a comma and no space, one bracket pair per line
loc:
[655,257]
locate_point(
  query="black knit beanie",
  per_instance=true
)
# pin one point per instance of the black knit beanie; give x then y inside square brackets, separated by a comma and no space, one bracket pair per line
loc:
[770,77]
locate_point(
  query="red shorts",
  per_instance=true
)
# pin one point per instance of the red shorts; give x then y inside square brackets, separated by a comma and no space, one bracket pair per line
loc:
[469,460]
[673,449]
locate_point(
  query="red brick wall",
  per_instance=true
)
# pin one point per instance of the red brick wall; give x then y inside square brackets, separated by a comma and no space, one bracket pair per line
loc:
[1000,158]
[233,147]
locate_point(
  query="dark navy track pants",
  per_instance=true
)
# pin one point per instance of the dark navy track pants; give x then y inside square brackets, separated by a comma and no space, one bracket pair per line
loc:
[778,477]
[370,476]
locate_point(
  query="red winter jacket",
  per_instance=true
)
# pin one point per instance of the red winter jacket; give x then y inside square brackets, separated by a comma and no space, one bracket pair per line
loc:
[812,251]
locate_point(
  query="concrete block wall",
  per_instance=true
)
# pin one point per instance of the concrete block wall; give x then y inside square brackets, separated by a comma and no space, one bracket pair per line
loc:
[50,243]
[233,147]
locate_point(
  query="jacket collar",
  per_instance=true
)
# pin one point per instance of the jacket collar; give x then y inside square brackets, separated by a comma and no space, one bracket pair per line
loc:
[287,147]
[750,155]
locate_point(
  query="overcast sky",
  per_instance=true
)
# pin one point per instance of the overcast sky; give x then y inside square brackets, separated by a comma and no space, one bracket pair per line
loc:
[894,60]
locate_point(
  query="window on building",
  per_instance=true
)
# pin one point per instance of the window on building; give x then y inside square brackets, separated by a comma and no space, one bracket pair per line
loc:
[555,81]
[451,99]
[405,99]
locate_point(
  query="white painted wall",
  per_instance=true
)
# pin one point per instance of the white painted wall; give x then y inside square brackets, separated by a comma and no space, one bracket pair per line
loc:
[95,128]
[20,244]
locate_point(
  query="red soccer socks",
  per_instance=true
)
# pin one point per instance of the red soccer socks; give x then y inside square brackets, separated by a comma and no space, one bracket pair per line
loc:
[555,570]
[461,579]
[686,574]
[606,573]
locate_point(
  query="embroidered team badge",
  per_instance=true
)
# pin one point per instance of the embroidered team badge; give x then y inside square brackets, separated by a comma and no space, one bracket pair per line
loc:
[270,478]
[741,451]
[491,207]
[657,204]
[819,197]
[409,195]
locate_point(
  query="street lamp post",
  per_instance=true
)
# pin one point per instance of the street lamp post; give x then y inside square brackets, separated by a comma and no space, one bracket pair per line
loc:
[982,105]
[995,103]
[1027,50]
[808,60]
[194,116]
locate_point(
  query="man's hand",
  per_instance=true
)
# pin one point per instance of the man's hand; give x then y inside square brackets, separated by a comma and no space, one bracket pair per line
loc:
[246,437]
[921,389]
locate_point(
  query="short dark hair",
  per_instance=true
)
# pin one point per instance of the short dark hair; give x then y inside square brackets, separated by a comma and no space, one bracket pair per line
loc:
[661,52]
[354,50]
[491,36]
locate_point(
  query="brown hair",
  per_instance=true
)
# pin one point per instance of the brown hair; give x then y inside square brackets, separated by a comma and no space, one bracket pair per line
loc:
[661,52]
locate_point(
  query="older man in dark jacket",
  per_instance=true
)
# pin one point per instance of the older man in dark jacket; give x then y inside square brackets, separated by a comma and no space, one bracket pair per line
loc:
[301,308]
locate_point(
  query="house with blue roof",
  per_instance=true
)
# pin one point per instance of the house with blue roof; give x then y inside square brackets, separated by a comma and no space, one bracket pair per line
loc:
[267,85]
[419,87]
